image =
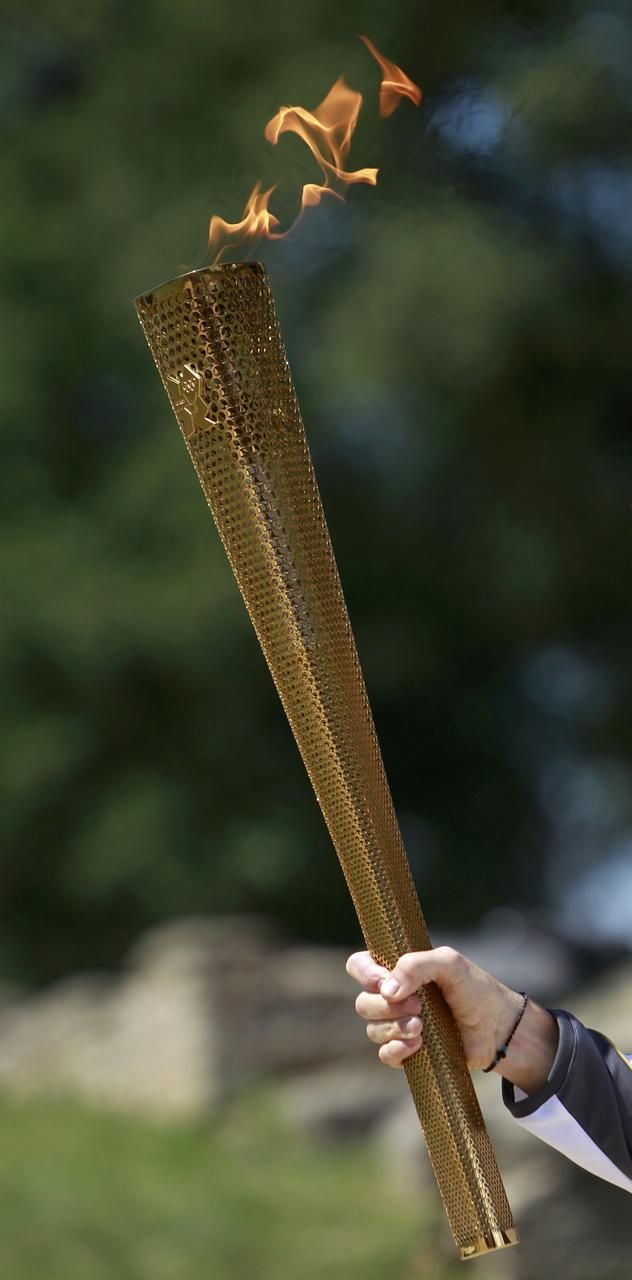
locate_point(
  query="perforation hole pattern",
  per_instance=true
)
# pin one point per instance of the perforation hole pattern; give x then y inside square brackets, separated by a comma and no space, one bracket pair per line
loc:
[215,338]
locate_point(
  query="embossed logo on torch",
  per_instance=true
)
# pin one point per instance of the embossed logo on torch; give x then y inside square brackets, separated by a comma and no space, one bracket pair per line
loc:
[191,409]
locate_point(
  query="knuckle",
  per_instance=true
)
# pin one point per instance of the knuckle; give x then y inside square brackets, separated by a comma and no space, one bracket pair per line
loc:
[381,1032]
[408,967]
[450,958]
[458,964]
[361,1005]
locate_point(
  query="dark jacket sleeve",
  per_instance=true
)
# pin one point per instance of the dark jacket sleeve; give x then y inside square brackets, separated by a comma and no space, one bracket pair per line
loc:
[585,1108]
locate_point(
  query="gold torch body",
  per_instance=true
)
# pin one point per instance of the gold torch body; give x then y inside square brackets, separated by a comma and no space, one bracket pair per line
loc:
[215,338]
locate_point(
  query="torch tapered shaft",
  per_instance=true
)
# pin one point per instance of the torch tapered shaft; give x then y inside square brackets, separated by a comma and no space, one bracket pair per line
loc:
[215,338]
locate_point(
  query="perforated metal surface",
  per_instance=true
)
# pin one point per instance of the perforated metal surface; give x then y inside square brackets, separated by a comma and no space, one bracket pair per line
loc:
[216,341]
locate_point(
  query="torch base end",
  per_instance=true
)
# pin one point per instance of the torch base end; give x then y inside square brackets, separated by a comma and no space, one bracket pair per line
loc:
[487,1243]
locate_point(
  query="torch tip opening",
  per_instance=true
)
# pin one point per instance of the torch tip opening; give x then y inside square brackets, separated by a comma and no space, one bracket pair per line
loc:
[240,268]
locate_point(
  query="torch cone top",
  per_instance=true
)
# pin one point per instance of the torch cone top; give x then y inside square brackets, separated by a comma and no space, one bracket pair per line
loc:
[221,271]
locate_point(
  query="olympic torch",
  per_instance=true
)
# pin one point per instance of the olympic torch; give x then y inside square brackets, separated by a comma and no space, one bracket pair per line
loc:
[215,338]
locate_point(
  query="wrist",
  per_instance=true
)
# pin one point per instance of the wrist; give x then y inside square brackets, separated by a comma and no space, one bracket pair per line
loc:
[532,1051]
[501,1051]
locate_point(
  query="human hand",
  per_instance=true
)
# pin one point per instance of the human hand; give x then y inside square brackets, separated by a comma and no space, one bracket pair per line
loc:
[484,1010]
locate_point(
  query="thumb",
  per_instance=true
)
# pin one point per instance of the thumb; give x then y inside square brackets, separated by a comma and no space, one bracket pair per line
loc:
[417,968]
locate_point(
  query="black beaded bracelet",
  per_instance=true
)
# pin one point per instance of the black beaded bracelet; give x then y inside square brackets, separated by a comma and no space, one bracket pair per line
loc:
[502,1052]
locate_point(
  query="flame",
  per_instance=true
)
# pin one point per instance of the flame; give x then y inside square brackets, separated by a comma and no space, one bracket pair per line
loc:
[257,221]
[327,131]
[395,83]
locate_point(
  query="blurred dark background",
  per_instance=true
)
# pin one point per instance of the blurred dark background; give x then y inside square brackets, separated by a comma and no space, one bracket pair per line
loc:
[460,340]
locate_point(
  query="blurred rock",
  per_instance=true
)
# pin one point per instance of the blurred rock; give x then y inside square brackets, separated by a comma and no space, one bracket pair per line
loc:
[526,954]
[579,1233]
[339,1102]
[606,1005]
[203,1008]
[141,1043]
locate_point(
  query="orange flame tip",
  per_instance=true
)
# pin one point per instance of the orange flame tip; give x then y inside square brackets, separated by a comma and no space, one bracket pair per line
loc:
[257,221]
[327,131]
[395,83]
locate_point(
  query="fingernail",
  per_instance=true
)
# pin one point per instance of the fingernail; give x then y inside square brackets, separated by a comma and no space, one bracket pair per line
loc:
[389,987]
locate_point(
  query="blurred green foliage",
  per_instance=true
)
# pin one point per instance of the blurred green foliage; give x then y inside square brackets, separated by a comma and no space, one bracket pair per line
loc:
[88,1195]
[460,340]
